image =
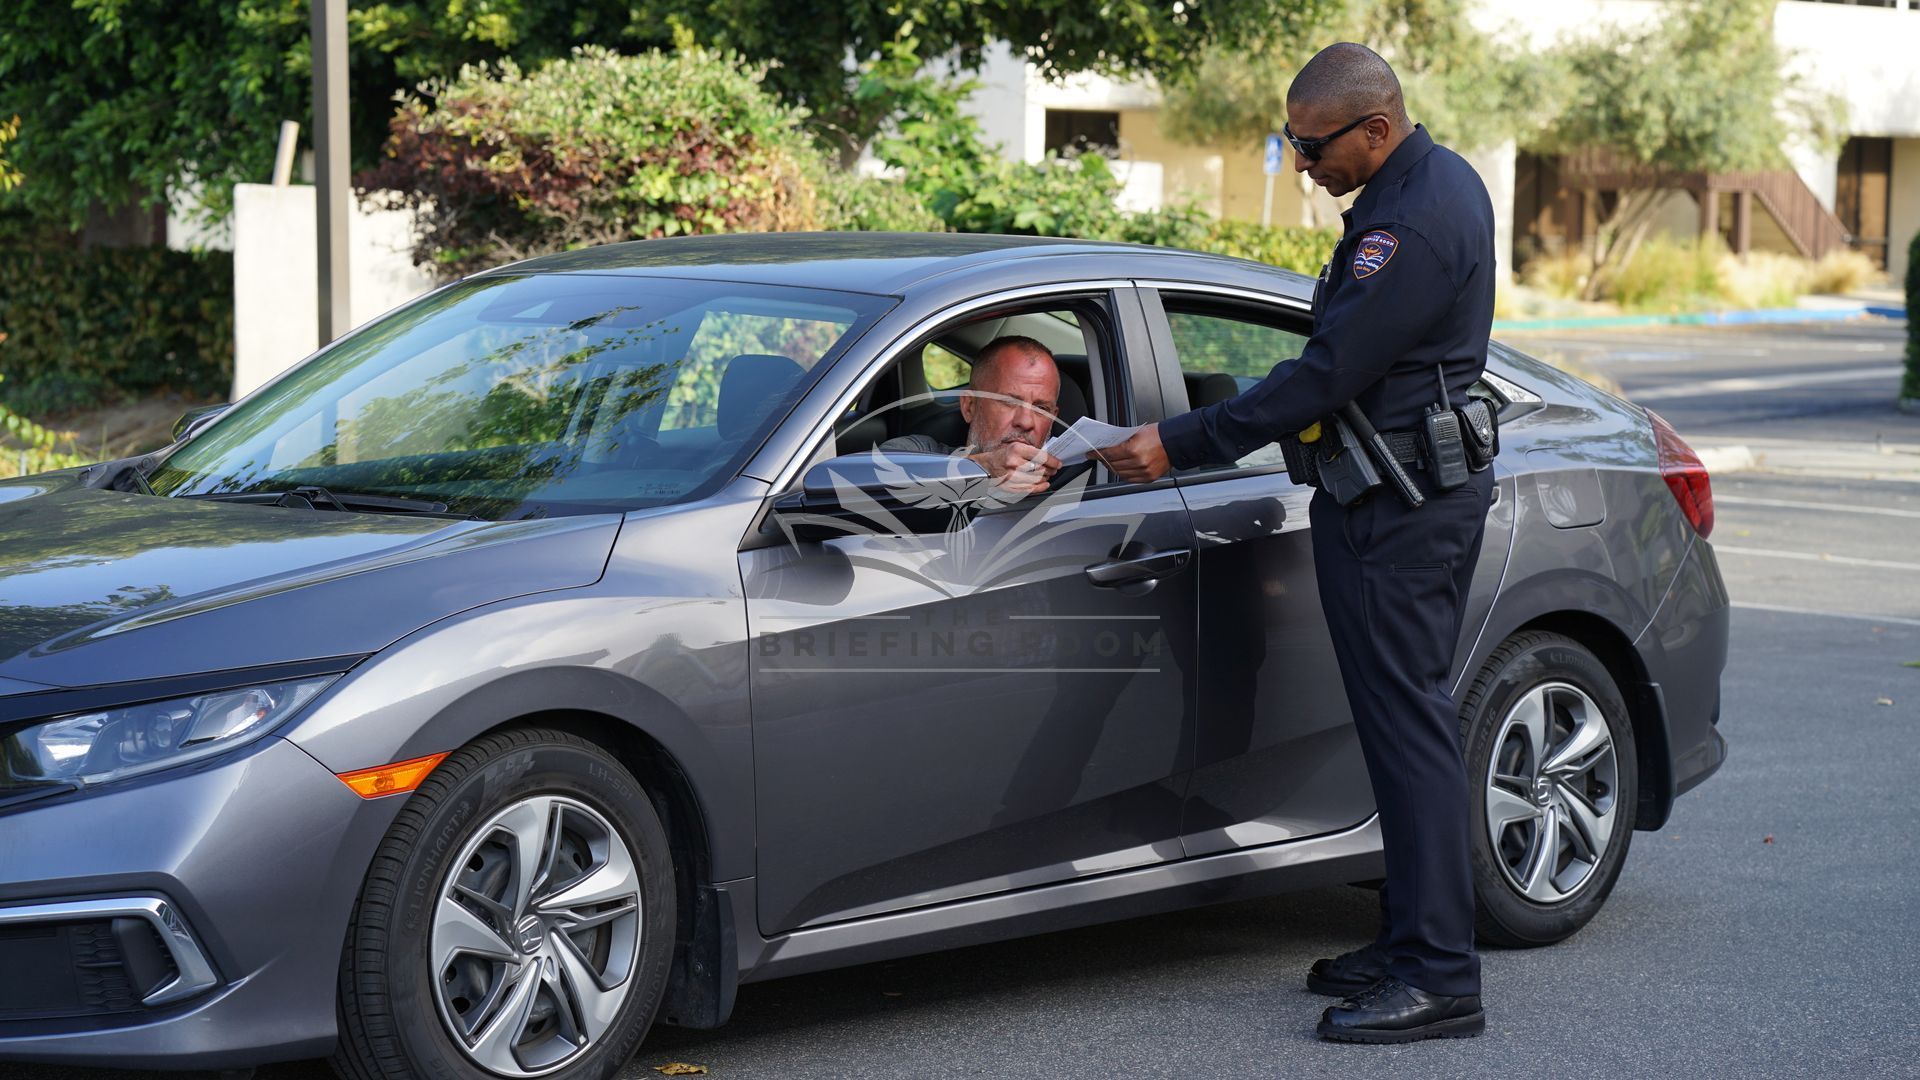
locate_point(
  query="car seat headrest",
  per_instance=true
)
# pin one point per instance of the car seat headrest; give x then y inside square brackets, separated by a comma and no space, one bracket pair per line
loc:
[752,386]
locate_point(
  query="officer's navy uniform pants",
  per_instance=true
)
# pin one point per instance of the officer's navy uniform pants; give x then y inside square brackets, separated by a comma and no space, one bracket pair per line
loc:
[1393,580]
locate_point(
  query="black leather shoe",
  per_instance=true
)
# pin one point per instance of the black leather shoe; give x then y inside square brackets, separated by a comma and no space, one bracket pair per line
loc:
[1392,1012]
[1349,973]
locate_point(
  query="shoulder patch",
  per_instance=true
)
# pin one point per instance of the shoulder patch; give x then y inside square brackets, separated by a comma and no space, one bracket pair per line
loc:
[1373,251]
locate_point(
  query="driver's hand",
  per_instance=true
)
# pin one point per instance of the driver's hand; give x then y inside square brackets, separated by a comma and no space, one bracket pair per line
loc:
[1141,458]
[1018,467]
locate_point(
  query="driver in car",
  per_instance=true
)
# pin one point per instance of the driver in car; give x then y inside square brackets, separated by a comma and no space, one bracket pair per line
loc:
[1010,403]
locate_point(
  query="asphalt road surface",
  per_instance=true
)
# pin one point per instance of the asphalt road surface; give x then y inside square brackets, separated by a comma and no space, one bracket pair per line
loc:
[1817,382]
[1772,928]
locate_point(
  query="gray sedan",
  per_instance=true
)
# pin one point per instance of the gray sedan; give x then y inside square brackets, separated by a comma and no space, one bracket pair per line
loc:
[549,657]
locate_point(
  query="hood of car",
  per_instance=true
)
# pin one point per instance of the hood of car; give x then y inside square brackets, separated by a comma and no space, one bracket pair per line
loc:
[104,586]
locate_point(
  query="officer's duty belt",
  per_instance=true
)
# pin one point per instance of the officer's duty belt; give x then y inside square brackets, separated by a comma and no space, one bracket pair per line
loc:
[1406,448]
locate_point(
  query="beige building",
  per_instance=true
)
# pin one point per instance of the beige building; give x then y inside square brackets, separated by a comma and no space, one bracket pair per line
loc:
[1866,196]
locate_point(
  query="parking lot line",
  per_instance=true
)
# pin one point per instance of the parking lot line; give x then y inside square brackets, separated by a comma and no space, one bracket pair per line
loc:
[1807,556]
[1749,384]
[1838,508]
[1785,609]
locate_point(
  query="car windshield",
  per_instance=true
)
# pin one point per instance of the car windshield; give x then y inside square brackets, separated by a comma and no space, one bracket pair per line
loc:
[533,396]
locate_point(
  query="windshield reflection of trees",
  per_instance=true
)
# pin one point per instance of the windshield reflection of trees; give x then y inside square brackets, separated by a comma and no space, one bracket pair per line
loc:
[438,439]
[510,412]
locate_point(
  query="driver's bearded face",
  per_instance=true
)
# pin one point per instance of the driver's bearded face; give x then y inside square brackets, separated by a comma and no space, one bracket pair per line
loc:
[1017,403]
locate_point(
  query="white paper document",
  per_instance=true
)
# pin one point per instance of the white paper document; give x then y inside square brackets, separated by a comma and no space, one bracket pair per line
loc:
[1086,435]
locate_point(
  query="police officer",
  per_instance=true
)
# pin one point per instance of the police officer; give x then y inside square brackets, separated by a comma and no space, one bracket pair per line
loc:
[1405,304]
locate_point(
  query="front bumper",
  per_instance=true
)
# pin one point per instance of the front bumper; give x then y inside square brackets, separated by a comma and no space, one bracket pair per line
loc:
[250,866]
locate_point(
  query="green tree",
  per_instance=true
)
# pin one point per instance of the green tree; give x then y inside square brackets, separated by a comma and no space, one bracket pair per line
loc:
[124,101]
[1468,89]
[810,41]
[1705,89]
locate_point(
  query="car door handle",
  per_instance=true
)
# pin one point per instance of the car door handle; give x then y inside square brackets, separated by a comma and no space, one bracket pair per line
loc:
[1147,567]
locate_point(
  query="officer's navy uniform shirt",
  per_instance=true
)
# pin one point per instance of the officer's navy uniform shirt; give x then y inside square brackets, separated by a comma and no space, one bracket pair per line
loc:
[1410,285]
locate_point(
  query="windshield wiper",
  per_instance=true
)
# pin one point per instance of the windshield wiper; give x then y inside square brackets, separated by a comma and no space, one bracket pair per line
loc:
[314,497]
[119,474]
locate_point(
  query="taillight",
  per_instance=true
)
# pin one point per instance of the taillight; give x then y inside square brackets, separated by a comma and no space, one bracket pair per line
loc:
[1686,477]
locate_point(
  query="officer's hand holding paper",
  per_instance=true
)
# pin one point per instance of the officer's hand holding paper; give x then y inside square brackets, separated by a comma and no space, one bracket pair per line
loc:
[1139,458]
[1086,436]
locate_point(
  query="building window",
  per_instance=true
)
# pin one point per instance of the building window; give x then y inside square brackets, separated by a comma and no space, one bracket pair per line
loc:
[1079,130]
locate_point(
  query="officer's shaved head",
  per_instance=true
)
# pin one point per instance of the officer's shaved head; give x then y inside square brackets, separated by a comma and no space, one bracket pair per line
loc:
[1351,81]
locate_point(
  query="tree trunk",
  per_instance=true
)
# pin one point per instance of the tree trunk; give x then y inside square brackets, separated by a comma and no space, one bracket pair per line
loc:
[847,148]
[836,131]
[1616,239]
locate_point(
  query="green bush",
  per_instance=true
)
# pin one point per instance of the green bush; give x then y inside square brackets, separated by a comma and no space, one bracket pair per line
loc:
[851,202]
[1668,276]
[1759,279]
[27,448]
[602,147]
[943,157]
[1910,386]
[1289,247]
[85,327]
[594,149]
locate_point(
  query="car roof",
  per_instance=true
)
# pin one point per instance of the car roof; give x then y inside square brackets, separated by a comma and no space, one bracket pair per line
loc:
[869,262]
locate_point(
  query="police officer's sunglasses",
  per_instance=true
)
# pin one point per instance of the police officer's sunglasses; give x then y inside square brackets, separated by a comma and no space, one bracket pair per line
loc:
[1311,149]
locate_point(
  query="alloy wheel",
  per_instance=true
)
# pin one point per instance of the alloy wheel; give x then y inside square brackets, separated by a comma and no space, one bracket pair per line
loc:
[1551,792]
[536,933]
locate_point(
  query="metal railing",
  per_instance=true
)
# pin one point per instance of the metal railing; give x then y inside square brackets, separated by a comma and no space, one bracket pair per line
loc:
[1808,225]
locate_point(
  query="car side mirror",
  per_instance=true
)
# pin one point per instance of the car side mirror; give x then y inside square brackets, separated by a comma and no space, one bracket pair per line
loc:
[882,493]
[193,420]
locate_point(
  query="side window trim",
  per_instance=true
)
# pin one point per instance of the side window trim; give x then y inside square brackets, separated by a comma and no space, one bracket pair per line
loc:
[783,456]
[1166,358]
[1107,349]
[1167,355]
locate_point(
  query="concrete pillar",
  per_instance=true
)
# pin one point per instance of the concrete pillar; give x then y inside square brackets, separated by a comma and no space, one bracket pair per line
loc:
[1742,221]
[275,275]
[1709,213]
[1496,168]
[1903,210]
[330,157]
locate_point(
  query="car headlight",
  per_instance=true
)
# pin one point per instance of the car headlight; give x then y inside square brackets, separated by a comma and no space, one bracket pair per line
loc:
[112,744]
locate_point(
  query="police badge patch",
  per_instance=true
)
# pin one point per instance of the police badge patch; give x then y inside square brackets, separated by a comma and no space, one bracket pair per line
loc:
[1372,253]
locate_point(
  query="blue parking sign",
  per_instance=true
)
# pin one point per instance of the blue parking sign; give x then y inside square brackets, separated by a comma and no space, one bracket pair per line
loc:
[1276,159]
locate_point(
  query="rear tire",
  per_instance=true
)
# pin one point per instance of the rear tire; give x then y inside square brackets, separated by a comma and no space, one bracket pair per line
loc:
[1552,788]
[518,920]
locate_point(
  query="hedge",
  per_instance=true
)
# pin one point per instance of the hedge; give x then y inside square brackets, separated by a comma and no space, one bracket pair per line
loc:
[1910,386]
[83,327]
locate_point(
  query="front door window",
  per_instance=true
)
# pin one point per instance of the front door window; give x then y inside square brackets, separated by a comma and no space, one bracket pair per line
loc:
[961,703]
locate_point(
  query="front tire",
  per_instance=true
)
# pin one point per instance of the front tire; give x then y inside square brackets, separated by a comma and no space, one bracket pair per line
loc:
[1552,787]
[517,921]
